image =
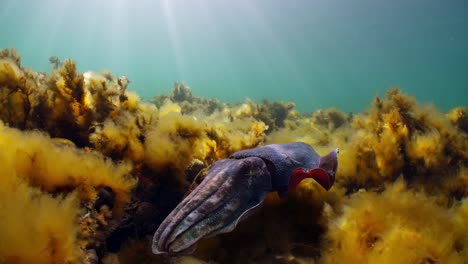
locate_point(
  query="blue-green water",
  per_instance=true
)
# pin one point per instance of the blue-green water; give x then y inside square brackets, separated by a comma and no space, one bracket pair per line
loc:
[317,53]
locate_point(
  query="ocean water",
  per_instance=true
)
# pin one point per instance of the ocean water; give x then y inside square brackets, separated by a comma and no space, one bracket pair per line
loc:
[316,53]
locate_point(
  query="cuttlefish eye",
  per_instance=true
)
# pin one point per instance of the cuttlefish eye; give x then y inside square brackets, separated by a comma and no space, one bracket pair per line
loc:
[329,163]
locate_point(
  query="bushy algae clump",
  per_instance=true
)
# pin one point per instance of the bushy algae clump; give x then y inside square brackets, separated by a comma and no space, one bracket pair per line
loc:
[397,226]
[92,171]
[52,207]
[120,160]
[396,140]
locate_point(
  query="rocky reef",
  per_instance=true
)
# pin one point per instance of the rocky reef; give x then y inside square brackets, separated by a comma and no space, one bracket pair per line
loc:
[89,171]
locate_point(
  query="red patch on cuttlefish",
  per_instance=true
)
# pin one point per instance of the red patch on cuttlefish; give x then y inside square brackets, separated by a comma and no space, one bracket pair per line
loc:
[319,175]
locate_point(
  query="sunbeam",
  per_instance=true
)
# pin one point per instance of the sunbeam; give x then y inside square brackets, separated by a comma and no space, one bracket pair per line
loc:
[58,19]
[171,23]
[308,52]
[225,61]
[280,50]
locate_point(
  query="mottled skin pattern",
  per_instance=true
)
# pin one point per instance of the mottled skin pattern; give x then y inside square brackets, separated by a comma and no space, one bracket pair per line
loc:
[234,187]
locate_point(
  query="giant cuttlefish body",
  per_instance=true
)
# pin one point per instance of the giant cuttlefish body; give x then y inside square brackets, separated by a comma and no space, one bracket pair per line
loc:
[234,187]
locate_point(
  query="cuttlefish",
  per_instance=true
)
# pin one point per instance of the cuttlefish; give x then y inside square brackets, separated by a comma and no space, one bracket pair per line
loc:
[233,188]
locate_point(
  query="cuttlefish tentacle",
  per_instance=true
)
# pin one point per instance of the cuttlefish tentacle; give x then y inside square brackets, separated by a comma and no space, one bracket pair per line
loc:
[234,187]
[230,188]
[193,200]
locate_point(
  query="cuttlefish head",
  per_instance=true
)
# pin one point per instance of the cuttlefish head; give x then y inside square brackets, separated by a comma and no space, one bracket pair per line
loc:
[324,174]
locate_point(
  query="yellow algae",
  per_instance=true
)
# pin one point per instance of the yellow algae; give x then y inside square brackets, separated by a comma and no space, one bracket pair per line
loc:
[394,137]
[9,72]
[169,107]
[77,135]
[459,117]
[460,220]
[457,185]
[396,226]
[119,137]
[46,188]
[44,164]
[36,227]
[422,148]
[173,142]
[176,139]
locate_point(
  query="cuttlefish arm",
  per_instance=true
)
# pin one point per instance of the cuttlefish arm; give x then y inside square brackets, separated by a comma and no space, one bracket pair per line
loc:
[234,187]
